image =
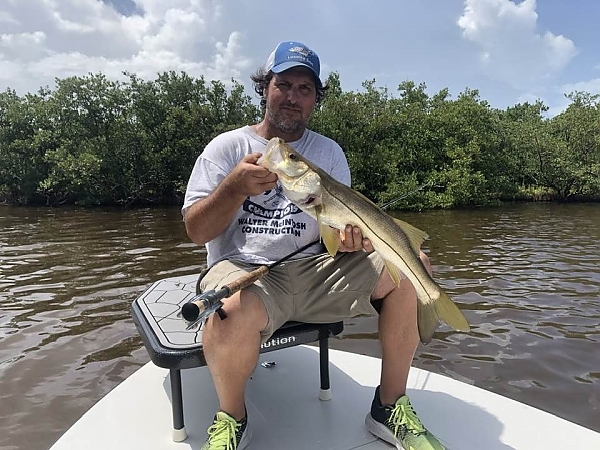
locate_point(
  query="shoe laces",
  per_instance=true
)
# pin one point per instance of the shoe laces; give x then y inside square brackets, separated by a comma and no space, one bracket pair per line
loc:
[404,416]
[222,433]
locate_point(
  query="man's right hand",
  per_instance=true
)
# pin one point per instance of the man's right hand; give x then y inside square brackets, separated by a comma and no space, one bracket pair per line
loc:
[210,216]
[248,178]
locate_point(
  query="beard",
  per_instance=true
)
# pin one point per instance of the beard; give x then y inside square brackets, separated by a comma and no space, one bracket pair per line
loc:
[283,122]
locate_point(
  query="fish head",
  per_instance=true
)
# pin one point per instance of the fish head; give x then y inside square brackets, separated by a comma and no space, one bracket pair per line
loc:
[283,160]
[301,184]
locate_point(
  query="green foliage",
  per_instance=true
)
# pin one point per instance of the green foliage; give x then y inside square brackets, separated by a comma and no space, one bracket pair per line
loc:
[570,156]
[93,141]
[437,152]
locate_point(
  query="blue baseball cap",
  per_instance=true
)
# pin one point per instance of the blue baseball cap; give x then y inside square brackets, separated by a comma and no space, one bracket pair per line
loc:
[290,54]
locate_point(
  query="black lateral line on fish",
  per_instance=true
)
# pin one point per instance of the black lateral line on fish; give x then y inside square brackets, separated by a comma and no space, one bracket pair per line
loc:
[371,229]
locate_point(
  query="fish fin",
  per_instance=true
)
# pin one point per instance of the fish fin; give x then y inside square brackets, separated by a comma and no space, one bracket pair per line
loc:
[330,236]
[427,320]
[393,271]
[414,235]
[447,310]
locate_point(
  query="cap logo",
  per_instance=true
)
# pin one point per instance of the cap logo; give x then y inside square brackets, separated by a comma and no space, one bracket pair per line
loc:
[303,51]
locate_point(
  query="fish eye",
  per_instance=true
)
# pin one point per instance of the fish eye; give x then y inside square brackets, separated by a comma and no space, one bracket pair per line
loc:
[293,157]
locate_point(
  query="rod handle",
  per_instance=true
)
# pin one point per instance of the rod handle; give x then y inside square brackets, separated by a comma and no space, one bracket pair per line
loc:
[247,279]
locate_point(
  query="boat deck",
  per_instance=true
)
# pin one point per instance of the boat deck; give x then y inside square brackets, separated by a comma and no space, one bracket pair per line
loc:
[284,410]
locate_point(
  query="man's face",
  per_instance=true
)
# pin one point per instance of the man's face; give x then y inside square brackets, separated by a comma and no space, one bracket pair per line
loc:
[291,97]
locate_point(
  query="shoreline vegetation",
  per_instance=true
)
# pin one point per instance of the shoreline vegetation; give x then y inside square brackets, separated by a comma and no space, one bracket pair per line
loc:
[96,142]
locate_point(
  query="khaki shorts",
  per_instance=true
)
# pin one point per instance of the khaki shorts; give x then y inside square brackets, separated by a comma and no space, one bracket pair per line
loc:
[316,289]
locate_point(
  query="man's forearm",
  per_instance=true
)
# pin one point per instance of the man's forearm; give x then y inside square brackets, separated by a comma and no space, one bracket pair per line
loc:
[209,217]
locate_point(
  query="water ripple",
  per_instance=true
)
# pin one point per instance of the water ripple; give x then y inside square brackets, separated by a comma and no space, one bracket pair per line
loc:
[526,277]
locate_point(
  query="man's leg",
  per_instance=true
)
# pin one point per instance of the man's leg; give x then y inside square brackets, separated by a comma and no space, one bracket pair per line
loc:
[398,332]
[398,335]
[392,417]
[232,346]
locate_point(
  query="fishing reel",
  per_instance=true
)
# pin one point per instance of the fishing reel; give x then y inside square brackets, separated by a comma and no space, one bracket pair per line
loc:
[201,306]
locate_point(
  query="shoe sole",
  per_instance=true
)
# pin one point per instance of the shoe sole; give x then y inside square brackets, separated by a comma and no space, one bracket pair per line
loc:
[382,432]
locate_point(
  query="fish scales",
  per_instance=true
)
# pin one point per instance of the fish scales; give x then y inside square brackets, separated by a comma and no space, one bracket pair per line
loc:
[335,205]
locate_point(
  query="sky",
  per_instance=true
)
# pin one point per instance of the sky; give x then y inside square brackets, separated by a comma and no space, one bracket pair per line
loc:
[511,51]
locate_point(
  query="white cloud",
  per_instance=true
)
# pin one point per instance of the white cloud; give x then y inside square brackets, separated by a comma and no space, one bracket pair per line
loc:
[9,70]
[591,86]
[7,18]
[76,37]
[512,48]
[529,98]
[555,97]
[17,40]
[175,32]
[23,46]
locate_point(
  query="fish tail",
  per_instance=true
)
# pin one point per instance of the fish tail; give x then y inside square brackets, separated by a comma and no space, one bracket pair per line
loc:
[449,313]
[443,308]
[427,319]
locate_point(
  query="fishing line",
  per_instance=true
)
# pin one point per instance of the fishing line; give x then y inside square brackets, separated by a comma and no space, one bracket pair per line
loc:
[403,196]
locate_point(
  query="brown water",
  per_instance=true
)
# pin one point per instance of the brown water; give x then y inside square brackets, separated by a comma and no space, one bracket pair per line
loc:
[527,277]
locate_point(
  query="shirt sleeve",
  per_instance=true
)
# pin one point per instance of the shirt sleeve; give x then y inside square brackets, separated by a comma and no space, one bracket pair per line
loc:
[218,159]
[205,177]
[340,169]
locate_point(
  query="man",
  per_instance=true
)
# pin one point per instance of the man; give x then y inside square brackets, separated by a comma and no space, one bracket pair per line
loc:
[235,208]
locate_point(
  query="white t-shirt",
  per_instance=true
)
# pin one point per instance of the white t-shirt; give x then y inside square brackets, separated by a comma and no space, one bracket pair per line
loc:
[268,226]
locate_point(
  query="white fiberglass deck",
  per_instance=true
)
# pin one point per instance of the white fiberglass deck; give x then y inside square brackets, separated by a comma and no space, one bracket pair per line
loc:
[285,412]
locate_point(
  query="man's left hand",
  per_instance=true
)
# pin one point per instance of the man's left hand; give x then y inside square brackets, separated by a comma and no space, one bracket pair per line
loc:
[352,240]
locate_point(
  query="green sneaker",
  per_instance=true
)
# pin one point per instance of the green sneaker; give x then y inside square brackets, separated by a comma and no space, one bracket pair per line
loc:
[227,434]
[399,425]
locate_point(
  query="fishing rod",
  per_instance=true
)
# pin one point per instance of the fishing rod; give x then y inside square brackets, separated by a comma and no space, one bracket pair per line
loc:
[403,196]
[203,305]
[206,303]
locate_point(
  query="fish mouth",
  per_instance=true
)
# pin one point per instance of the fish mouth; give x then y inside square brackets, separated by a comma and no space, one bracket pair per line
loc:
[311,200]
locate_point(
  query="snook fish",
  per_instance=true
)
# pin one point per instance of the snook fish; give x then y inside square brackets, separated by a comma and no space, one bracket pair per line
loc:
[335,205]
